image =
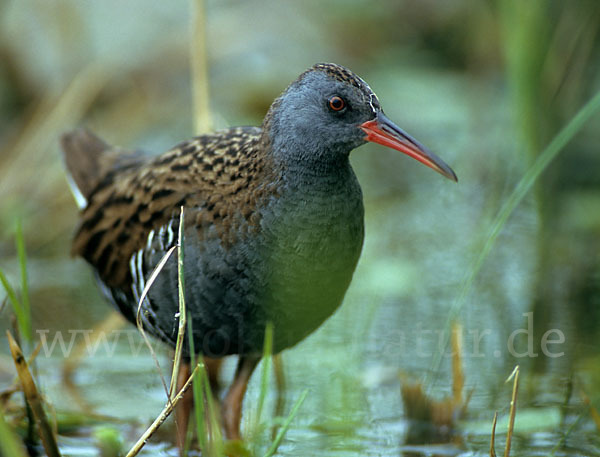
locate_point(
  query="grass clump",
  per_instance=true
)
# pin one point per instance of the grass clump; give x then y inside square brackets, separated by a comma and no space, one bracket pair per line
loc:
[20,305]
[10,444]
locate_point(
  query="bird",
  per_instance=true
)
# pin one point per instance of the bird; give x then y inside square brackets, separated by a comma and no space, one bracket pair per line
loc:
[273,226]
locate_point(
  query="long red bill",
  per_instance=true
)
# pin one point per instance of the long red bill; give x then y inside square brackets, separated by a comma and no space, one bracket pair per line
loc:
[383,131]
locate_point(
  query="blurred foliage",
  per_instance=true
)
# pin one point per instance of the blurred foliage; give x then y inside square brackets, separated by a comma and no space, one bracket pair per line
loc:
[486,84]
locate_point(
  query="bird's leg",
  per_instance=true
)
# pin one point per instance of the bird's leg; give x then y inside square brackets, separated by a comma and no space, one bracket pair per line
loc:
[280,385]
[232,404]
[184,407]
[213,369]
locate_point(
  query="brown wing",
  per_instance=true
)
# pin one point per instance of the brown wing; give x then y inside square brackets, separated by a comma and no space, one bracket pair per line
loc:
[215,177]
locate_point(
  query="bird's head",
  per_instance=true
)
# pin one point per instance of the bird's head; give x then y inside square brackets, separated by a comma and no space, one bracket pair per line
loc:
[327,112]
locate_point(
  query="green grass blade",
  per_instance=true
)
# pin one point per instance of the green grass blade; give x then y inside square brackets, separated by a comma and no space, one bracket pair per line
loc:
[286,424]
[216,448]
[15,303]
[186,320]
[20,307]
[526,183]
[197,388]
[180,265]
[9,443]
[522,188]
[199,413]
[205,413]
[182,311]
[266,368]
[22,256]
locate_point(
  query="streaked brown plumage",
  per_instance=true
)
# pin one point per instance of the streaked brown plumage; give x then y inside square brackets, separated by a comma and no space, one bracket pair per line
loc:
[222,173]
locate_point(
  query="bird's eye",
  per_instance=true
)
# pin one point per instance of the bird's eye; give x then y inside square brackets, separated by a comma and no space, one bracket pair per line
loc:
[337,103]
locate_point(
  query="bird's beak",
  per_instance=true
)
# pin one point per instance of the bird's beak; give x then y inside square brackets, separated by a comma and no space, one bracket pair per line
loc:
[383,131]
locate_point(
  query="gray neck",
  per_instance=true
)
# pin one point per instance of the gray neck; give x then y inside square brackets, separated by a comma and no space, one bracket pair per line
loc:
[302,161]
[304,155]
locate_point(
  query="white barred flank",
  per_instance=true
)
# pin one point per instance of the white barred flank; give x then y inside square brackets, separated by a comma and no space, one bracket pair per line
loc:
[161,237]
[170,232]
[165,239]
[140,269]
[137,274]
[166,235]
[138,283]
[149,242]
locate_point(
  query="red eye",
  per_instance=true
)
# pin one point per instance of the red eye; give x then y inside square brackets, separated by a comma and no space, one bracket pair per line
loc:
[337,103]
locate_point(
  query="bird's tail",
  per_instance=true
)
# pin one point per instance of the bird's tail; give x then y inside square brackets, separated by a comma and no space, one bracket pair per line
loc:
[82,153]
[89,159]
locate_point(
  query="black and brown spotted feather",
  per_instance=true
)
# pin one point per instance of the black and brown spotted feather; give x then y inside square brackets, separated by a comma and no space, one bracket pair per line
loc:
[215,177]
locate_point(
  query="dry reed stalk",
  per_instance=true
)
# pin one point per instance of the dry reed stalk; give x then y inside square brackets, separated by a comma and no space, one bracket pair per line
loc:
[34,399]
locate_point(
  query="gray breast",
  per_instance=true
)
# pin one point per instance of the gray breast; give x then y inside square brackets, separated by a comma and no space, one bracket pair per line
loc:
[317,238]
